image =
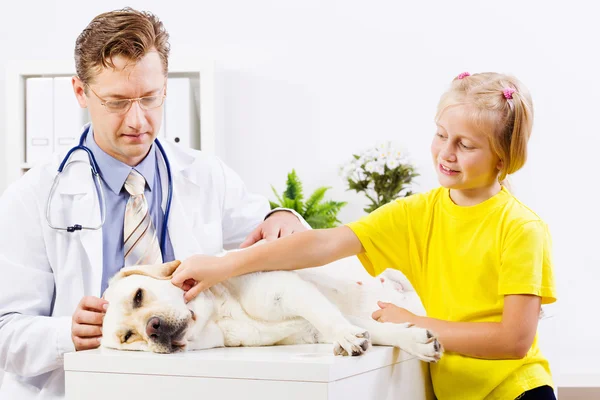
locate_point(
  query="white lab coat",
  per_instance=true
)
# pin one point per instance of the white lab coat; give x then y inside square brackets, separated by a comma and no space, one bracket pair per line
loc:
[44,273]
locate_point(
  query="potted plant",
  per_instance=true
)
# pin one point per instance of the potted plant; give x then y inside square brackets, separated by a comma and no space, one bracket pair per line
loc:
[318,213]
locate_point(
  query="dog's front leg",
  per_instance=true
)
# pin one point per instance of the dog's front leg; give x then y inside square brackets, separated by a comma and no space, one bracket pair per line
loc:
[209,337]
[279,295]
[204,332]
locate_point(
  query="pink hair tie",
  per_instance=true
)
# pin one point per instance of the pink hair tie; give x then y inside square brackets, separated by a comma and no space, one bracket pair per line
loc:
[463,75]
[508,92]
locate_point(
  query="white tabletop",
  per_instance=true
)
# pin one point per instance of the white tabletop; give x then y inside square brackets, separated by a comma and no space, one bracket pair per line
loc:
[583,380]
[312,363]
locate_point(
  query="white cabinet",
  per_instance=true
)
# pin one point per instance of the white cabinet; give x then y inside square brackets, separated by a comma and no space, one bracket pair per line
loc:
[44,87]
[53,117]
[264,373]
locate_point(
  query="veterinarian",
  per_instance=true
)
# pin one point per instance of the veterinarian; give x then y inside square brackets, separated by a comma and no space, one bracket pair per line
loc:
[479,259]
[60,245]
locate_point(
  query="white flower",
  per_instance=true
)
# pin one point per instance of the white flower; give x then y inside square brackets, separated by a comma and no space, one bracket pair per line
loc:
[392,163]
[380,167]
[370,166]
[366,157]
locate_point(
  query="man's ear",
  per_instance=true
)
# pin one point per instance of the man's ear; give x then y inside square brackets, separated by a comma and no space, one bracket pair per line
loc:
[79,90]
[157,271]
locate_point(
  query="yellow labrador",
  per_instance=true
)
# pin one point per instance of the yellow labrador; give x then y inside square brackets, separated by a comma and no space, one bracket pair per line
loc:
[146,312]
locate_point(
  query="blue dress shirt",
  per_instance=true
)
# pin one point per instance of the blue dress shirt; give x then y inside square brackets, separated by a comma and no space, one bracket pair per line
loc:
[114,173]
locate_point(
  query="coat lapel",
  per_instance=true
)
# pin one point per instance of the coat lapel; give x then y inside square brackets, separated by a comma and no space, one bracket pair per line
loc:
[180,222]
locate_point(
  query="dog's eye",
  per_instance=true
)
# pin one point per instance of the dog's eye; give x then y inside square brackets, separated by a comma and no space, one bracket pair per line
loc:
[127,336]
[138,298]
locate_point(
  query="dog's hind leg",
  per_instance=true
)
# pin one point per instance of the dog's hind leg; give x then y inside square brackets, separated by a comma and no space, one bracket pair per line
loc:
[279,295]
[419,342]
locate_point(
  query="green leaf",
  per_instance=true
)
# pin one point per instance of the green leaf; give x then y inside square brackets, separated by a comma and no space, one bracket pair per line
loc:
[290,203]
[293,191]
[294,187]
[314,199]
[329,211]
[359,186]
[317,221]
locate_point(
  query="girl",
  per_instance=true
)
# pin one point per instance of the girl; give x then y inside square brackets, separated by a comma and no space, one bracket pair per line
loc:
[478,258]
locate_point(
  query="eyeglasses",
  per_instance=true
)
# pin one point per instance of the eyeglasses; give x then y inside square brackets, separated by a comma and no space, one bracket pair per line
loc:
[123,105]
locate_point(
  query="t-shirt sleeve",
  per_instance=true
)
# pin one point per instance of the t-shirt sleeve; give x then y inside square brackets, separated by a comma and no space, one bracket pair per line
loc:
[384,236]
[526,263]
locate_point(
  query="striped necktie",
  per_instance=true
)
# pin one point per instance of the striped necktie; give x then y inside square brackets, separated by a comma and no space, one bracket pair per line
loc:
[140,240]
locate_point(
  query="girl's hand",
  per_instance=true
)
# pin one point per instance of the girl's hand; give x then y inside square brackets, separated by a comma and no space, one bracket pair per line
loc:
[200,272]
[392,313]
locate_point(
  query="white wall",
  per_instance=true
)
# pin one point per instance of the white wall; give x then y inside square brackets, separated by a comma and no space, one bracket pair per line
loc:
[305,84]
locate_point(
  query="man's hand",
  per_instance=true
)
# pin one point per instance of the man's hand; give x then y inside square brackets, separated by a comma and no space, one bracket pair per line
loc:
[200,272]
[389,312]
[277,225]
[86,329]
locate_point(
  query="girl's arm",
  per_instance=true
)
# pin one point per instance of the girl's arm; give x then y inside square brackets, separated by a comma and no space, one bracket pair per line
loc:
[300,250]
[510,338]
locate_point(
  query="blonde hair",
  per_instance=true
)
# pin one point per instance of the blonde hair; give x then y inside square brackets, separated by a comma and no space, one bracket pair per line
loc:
[507,121]
[127,32]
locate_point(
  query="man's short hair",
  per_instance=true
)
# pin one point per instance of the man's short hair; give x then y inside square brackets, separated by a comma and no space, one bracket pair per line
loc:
[128,33]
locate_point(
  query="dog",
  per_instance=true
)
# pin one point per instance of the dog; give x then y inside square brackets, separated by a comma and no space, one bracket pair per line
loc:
[148,313]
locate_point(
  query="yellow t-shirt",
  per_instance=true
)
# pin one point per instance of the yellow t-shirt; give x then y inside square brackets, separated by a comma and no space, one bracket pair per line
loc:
[462,261]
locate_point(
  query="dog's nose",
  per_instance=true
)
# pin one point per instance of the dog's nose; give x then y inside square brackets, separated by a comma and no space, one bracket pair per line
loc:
[154,327]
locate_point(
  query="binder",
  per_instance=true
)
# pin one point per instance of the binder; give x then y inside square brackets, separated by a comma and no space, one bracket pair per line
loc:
[181,113]
[69,117]
[39,119]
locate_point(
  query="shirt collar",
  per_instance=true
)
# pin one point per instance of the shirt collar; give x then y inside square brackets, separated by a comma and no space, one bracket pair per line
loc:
[114,172]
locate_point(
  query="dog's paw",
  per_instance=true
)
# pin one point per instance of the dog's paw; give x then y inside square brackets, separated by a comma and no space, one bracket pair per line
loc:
[351,341]
[423,344]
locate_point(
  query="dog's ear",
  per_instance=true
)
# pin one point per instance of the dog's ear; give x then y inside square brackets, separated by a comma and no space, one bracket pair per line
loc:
[157,271]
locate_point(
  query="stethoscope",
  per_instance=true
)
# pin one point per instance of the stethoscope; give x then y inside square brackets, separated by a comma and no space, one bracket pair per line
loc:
[98,184]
